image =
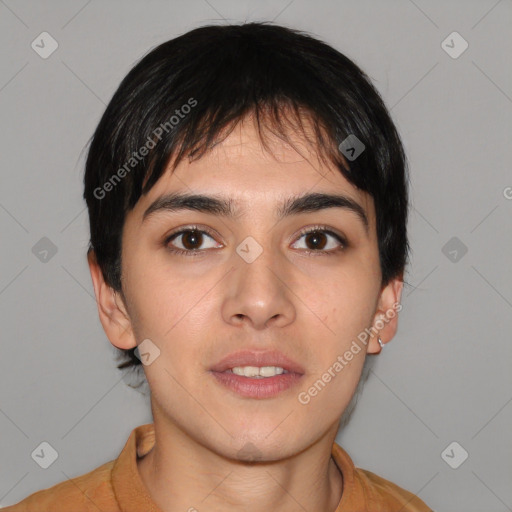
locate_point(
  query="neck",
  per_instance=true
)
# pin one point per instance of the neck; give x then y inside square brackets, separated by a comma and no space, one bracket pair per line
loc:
[182,474]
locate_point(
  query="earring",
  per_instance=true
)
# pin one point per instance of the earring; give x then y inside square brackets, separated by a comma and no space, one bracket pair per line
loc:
[380,343]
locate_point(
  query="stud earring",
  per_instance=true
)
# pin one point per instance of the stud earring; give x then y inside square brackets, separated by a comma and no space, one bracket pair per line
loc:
[380,343]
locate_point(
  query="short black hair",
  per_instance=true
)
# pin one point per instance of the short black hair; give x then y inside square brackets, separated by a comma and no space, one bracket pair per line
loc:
[188,93]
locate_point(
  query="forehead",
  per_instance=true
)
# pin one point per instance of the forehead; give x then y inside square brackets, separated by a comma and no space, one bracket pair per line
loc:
[253,175]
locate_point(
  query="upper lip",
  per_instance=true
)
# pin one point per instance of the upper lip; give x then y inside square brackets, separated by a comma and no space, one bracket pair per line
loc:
[257,358]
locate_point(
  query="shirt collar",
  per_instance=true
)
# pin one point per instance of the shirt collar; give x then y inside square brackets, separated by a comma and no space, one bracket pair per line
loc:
[130,492]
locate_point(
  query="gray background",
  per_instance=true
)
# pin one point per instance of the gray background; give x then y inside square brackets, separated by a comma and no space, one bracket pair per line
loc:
[446,375]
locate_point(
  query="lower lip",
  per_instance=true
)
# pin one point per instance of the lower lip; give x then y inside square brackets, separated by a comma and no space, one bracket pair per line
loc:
[268,387]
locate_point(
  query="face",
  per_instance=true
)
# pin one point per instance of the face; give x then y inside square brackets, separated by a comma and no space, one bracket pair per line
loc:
[202,285]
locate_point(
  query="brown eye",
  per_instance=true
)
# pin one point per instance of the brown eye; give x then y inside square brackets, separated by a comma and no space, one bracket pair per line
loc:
[189,242]
[322,241]
[191,239]
[316,240]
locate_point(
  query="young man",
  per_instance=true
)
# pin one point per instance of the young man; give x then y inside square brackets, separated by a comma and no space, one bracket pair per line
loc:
[247,195]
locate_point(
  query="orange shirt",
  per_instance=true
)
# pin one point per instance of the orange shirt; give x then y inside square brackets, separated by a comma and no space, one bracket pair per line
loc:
[116,486]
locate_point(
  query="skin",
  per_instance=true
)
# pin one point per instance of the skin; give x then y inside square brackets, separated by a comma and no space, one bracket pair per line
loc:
[198,309]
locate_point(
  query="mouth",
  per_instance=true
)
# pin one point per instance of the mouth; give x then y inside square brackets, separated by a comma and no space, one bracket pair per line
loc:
[254,374]
[267,363]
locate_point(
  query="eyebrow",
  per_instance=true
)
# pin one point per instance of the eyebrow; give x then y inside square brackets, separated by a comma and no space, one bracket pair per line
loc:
[312,202]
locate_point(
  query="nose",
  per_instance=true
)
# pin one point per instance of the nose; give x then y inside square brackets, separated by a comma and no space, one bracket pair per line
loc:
[258,293]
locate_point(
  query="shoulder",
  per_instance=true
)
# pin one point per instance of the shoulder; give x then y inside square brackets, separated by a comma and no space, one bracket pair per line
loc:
[382,491]
[86,493]
[364,490]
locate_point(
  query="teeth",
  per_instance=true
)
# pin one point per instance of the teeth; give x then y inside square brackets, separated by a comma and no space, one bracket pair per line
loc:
[256,372]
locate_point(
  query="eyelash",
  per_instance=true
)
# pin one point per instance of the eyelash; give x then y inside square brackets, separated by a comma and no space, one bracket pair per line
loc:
[304,231]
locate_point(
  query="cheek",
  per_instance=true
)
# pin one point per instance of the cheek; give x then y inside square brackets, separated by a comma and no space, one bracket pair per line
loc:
[346,304]
[165,305]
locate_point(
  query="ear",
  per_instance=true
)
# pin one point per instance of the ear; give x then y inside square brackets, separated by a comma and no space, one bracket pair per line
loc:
[111,308]
[385,320]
